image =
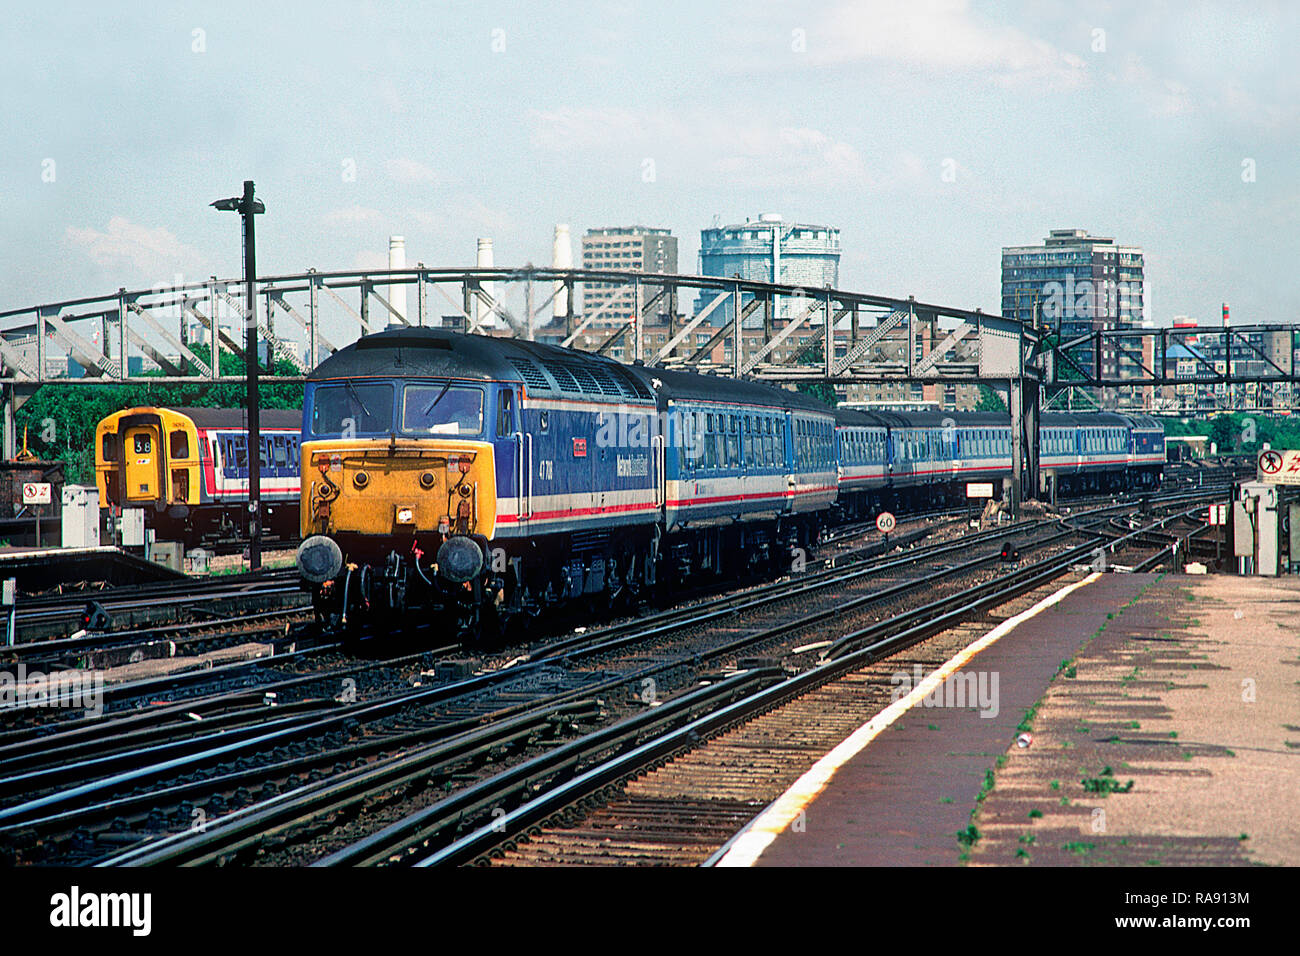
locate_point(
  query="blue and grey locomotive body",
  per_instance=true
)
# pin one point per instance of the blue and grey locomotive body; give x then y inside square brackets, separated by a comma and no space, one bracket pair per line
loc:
[499,476]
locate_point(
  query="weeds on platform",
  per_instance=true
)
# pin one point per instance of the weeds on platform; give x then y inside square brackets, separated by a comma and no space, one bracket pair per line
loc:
[1105,784]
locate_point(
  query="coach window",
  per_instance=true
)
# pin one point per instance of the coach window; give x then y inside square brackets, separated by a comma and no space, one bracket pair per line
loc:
[180,445]
[241,451]
[281,452]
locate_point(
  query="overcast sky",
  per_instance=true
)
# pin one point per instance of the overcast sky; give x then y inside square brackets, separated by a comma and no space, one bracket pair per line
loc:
[1174,127]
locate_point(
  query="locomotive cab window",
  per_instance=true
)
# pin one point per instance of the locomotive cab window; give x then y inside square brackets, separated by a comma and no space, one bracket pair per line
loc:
[180,445]
[109,447]
[356,409]
[442,409]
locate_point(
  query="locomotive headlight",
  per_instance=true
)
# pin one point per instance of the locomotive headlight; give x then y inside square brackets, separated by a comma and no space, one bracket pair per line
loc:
[405,515]
[427,480]
[466,491]
[361,479]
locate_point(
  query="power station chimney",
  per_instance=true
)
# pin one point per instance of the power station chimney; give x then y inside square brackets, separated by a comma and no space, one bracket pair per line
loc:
[561,258]
[484,261]
[397,261]
[1225,315]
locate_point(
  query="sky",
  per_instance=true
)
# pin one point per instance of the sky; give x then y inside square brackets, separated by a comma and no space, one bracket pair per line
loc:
[931,132]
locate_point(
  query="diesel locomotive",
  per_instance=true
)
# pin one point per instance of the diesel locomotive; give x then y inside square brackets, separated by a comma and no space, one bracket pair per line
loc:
[487,479]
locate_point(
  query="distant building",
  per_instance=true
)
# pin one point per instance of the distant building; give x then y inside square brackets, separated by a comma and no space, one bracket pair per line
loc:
[1074,284]
[769,249]
[623,249]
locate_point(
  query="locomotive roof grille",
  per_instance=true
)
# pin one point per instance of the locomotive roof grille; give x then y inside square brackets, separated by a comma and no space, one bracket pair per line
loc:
[563,377]
[532,375]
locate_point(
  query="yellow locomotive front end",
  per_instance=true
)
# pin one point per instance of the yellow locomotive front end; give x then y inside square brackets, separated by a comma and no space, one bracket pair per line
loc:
[372,493]
[398,502]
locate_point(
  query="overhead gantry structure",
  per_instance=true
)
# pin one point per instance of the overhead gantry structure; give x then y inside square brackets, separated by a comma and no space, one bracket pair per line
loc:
[766,331]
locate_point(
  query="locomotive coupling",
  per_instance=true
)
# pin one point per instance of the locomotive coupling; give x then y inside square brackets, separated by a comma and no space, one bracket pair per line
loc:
[320,559]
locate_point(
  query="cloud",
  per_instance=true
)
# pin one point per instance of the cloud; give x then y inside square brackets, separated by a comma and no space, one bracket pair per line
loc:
[412,172]
[1163,97]
[757,153]
[129,245]
[941,36]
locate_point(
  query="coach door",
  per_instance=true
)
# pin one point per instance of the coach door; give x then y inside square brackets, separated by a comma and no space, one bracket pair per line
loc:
[142,462]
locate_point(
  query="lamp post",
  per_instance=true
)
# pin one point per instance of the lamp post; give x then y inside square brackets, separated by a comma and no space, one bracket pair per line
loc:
[248,207]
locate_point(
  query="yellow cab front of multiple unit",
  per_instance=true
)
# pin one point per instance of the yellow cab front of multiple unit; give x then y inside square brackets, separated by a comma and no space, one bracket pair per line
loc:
[147,455]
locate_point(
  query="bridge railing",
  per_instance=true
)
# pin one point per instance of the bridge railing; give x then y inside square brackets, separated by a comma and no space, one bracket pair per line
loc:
[194,332]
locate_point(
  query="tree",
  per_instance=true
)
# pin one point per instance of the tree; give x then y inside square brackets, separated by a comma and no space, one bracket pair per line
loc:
[990,401]
[822,391]
[1223,430]
[61,419]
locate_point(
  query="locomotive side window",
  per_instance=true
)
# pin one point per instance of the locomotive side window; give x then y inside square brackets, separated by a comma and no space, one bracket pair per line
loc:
[359,409]
[505,413]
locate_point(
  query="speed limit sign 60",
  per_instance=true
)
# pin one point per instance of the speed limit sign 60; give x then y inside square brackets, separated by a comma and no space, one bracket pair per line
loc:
[885,522]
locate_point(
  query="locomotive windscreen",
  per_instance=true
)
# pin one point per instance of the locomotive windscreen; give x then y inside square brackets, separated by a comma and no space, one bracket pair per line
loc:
[359,409]
[442,410]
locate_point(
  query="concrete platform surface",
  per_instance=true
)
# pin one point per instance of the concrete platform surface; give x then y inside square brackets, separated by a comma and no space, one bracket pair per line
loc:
[1128,677]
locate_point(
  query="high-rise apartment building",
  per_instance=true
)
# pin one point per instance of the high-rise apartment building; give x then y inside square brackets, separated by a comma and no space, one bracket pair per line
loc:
[1074,284]
[625,249]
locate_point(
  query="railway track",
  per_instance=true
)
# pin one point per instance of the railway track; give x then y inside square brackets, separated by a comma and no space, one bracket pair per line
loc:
[356,793]
[276,736]
[668,813]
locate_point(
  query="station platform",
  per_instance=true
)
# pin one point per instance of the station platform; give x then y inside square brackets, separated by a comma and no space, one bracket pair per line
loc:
[1183,685]
[41,569]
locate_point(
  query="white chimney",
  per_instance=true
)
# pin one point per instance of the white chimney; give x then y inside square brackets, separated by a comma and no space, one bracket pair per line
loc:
[561,258]
[481,311]
[397,293]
